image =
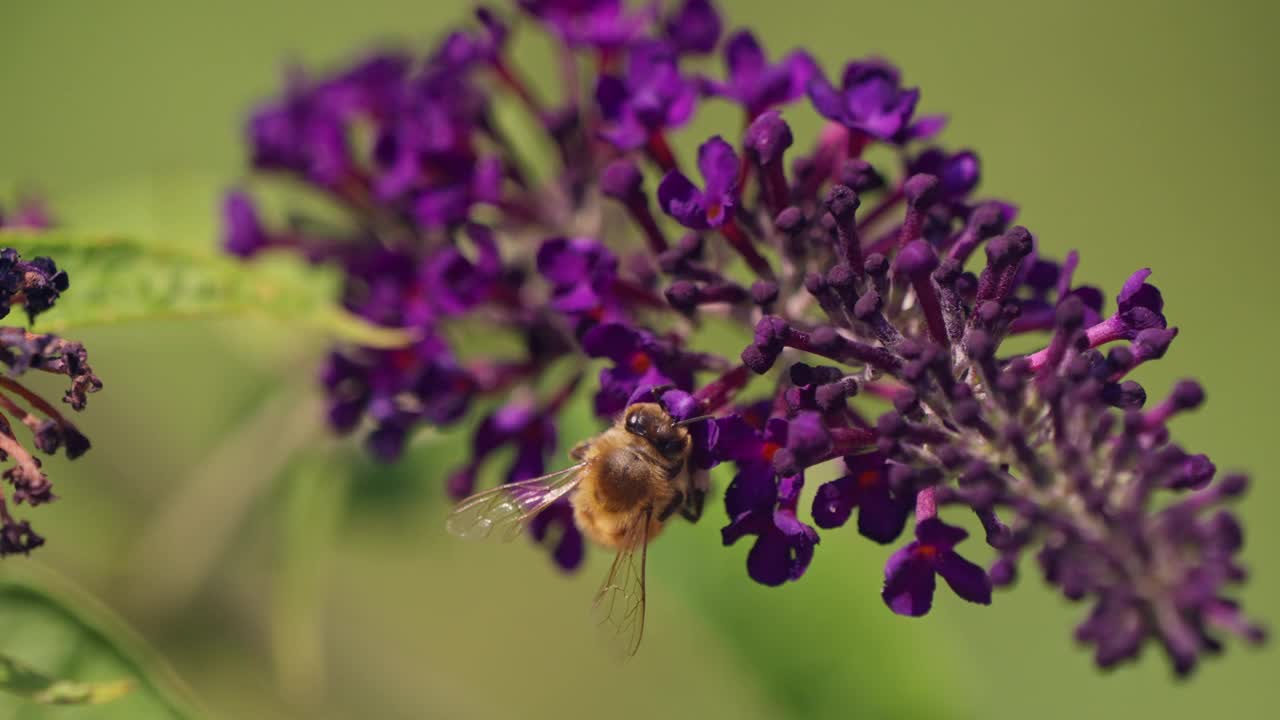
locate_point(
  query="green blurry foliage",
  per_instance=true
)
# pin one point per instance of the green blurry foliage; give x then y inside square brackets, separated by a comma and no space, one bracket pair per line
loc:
[56,628]
[26,682]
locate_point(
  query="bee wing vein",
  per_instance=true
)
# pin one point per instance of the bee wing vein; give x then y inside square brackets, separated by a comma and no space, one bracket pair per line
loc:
[504,512]
[619,605]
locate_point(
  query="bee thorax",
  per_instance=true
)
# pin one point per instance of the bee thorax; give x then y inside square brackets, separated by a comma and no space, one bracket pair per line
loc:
[627,478]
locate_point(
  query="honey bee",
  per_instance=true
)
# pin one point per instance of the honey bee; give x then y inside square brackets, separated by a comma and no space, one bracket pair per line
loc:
[626,483]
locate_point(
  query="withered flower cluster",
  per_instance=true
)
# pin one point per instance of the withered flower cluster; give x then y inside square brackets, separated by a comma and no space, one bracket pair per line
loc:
[34,286]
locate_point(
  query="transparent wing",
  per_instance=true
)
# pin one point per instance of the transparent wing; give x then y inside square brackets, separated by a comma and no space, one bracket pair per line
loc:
[503,512]
[619,605]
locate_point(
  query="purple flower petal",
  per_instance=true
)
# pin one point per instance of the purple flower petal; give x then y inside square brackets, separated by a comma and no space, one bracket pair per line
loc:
[571,261]
[616,341]
[743,57]
[683,201]
[908,583]
[881,517]
[754,489]
[769,562]
[719,166]
[1138,294]
[737,440]
[966,579]
[939,534]
[826,99]
[695,27]
[808,438]
[743,524]
[244,236]
[834,502]
[611,97]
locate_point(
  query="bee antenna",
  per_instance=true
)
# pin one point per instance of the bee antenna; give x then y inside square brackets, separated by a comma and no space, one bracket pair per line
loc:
[692,420]
[656,391]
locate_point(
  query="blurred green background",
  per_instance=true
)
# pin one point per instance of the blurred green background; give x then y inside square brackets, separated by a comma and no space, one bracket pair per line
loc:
[283,576]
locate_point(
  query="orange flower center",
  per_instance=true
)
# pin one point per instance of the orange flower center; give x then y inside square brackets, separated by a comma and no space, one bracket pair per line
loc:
[868,478]
[640,362]
[928,552]
[769,450]
[714,212]
[403,359]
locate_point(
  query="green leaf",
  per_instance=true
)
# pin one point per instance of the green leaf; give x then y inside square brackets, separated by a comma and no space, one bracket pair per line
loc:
[33,685]
[116,279]
[50,631]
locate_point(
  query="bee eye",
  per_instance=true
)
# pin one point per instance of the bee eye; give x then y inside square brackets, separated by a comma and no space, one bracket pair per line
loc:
[635,424]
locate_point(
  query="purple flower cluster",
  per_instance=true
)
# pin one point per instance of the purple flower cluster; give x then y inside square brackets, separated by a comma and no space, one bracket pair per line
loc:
[34,285]
[896,283]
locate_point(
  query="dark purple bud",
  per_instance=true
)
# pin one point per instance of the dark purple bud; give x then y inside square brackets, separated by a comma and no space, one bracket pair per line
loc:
[1187,395]
[767,138]
[907,402]
[988,219]
[967,412]
[758,359]
[947,272]
[1010,247]
[860,176]
[869,304]
[764,292]
[622,181]
[1233,485]
[1194,473]
[790,220]
[1127,395]
[694,27]
[683,296]
[1153,343]
[981,345]
[917,259]
[1119,359]
[832,395]
[891,424]
[842,202]
[989,312]
[1003,572]
[841,277]
[1069,315]
[920,190]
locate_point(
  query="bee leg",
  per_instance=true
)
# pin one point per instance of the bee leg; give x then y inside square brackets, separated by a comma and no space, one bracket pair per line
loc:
[692,509]
[671,507]
[579,451]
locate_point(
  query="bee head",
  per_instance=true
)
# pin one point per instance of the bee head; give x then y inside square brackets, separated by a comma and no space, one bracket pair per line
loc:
[649,421]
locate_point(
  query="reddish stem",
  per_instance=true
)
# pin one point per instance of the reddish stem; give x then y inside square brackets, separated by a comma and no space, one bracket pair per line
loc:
[557,401]
[849,440]
[643,217]
[926,505]
[858,141]
[743,245]
[660,151]
[714,395]
[886,204]
[518,86]
[932,308]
